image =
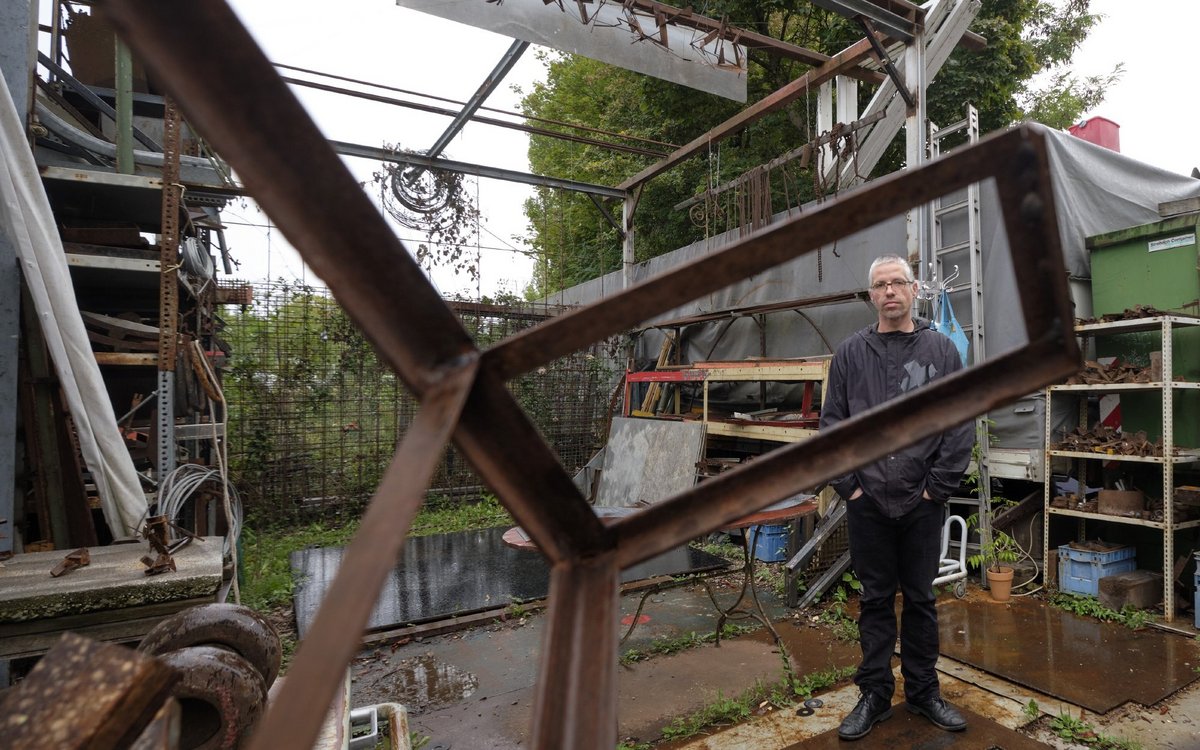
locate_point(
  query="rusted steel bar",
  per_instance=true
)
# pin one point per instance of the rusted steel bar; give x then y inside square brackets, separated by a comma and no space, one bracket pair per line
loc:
[764,249]
[839,64]
[750,39]
[576,704]
[255,122]
[476,118]
[803,466]
[296,717]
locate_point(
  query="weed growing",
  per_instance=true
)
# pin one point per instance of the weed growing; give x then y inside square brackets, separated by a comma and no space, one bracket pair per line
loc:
[682,642]
[1090,607]
[1069,728]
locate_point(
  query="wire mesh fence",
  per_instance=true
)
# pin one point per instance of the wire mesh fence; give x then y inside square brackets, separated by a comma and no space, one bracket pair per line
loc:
[315,417]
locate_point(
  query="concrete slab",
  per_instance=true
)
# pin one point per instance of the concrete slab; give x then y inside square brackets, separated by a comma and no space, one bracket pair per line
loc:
[114,580]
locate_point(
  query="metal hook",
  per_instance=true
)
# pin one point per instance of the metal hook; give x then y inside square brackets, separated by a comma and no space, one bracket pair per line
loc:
[946,283]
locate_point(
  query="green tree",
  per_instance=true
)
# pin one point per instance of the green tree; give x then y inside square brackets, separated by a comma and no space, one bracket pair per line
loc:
[574,242]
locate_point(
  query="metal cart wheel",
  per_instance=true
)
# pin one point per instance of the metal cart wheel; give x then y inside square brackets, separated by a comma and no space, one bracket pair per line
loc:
[960,589]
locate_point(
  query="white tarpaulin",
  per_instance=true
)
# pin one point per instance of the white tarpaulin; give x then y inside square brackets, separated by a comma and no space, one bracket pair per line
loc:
[27,219]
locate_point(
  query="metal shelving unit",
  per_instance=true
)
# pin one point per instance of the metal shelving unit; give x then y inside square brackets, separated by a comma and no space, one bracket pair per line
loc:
[1170,459]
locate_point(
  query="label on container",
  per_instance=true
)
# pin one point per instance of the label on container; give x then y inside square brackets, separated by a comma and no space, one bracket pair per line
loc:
[1167,243]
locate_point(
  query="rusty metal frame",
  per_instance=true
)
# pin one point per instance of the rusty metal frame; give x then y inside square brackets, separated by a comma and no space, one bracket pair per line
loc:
[232,94]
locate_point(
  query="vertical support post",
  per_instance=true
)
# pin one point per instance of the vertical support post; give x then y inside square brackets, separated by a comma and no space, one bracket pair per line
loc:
[576,703]
[628,207]
[825,119]
[847,99]
[1166,345]
[914,140]
[168,295]
[124,106]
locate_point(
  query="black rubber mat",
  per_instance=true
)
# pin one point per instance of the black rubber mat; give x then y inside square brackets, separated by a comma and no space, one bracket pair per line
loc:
[1097,665]
[445,575]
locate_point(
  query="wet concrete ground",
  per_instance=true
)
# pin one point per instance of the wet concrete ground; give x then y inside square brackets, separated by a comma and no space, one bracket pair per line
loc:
[474,689]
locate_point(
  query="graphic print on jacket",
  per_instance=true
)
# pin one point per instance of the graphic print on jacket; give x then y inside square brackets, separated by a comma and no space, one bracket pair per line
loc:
[917,376]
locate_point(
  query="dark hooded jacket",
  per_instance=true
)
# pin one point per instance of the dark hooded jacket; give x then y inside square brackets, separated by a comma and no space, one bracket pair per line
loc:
[870,368]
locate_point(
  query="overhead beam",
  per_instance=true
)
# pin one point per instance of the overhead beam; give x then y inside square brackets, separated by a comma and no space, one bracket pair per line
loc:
[449,165]
[751,40]
[839,64]
[475,118]
[900,26]
[485,90]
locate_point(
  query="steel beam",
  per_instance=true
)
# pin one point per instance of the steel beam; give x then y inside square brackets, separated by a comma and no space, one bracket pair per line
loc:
[476,118]
[894,24]
[507,61]
[839,64]
[449,165]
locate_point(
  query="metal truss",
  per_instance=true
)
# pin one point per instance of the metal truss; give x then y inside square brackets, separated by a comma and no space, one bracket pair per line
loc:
[234,97]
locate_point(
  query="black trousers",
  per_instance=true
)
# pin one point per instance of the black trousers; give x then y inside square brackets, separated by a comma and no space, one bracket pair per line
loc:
[890,554]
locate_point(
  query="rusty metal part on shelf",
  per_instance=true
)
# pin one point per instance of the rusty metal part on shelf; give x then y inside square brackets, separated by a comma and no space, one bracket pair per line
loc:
[1129,313]
[1094,373]
[231,626]
[237,101]
[1109,441]
[76,559]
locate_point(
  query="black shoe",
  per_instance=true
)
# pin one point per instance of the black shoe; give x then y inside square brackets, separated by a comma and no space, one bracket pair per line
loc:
[871,709]
[941,713]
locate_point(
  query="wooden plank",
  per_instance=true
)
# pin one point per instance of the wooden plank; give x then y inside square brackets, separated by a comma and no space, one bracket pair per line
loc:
[1175,208]
[85,694]
[115,264]
[126,359]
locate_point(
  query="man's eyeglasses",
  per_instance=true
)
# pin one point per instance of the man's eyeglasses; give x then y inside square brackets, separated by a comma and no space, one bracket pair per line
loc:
[879,286]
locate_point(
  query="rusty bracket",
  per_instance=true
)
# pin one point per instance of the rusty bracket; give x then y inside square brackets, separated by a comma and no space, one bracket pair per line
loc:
[77,559]
[163,563]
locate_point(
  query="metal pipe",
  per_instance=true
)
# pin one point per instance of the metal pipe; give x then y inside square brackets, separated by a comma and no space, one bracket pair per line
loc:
[485,90]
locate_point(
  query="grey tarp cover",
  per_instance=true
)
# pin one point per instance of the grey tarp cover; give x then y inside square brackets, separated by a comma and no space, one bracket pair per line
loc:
[1096,190]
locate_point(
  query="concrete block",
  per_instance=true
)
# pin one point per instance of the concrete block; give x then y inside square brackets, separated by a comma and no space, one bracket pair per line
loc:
[1142,589]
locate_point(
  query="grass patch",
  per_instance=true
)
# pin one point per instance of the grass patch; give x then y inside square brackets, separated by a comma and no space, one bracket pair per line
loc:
[267,577]
[673,645]
[724,712]
[1069,728]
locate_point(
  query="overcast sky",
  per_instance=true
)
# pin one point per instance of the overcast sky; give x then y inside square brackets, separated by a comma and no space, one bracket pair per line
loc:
[376,41]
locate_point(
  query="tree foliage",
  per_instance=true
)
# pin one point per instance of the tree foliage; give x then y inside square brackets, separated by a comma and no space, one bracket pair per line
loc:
[574,242]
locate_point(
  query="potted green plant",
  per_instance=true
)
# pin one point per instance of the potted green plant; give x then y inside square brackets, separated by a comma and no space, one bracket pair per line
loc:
[997,553]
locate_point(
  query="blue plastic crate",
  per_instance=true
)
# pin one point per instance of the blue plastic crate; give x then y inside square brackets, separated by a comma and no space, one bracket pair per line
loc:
[1080,571]
[770,542]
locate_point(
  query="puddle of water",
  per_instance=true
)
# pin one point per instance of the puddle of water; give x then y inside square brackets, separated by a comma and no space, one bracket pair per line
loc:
[426,682]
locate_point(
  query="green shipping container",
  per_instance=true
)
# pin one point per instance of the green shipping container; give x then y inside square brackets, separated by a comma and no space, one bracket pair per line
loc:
[1156,265]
